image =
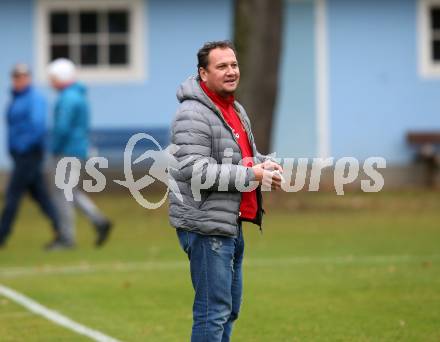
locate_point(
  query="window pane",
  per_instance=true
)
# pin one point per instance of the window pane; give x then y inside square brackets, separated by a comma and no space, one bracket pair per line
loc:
[436,50]
[59,22]
[89,54]
[59,51]
[118,54]
[88,22]
[435,17]
[118,21]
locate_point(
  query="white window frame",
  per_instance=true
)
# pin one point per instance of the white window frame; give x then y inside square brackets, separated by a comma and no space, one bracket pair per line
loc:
[427,67]
[135,71]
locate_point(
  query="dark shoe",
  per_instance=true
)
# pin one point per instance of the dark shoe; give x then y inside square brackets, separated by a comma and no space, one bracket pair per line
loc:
[59,244]
[103,231]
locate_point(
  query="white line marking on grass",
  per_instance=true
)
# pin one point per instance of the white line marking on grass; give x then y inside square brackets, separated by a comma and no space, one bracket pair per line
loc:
[54,316]
[14,272]
[342,260]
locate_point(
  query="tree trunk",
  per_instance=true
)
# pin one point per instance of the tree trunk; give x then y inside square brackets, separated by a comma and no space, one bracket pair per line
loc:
[257,37]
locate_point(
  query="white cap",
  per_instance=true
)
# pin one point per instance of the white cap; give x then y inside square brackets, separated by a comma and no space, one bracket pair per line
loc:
[62,69]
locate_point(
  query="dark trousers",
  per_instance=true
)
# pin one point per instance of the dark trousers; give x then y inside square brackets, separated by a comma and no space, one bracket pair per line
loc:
[27,175]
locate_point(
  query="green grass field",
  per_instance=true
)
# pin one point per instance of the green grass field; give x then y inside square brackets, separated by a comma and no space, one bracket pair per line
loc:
[327,268]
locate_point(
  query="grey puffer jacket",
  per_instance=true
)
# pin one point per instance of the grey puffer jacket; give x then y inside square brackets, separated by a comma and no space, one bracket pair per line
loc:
[202,134]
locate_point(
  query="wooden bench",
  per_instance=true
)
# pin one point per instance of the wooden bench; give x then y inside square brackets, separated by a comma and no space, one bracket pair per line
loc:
[427,148]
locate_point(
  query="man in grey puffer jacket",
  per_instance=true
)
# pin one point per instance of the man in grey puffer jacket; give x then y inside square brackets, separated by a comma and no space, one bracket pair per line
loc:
[218,188]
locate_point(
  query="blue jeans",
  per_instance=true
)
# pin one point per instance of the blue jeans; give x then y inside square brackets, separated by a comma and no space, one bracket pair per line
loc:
[216,274]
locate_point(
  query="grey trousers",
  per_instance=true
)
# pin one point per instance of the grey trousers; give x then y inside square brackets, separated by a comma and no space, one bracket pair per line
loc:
[66,209]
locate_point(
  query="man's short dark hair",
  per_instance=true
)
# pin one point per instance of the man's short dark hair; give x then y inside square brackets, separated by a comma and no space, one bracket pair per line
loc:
[202,55]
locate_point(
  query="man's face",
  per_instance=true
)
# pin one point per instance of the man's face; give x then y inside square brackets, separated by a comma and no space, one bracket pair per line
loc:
[222,74]
[20,81]
[57,85]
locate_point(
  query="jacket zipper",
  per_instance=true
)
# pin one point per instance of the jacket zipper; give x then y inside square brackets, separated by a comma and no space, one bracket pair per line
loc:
[261,195]
[219,113]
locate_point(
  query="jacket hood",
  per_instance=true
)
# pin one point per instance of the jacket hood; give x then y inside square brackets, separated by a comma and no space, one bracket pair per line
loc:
[190,90]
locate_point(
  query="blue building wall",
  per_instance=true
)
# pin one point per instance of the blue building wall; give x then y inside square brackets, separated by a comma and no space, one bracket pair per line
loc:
[376,93]
[174,31]
[172,40]
[15,47]
[295,126]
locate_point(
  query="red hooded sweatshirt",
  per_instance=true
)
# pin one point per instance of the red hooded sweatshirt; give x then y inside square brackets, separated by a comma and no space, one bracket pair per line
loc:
[249,204]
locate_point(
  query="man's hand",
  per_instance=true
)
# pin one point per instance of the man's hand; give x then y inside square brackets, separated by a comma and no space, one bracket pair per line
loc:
[271,166]
[268,175]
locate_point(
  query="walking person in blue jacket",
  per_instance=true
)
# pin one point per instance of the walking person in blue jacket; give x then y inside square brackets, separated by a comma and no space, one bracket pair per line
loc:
[26,126]
[70,139]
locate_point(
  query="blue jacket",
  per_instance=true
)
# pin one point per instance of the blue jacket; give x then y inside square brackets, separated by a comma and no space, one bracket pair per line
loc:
[71,123]
[26,121]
